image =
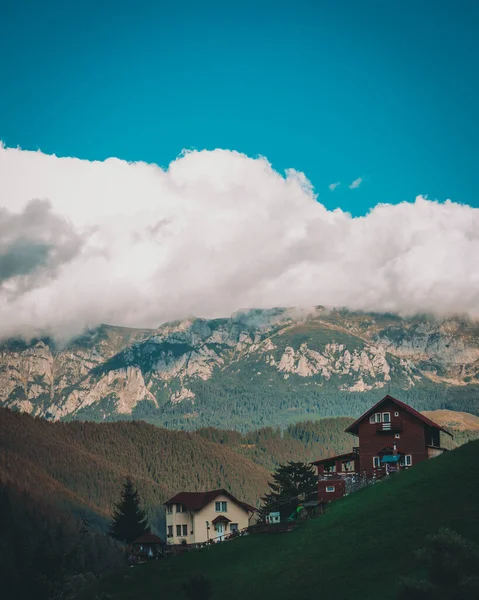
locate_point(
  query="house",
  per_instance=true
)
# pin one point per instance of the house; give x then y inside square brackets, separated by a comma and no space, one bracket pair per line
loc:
[148,545]
[198,517]
[392,436]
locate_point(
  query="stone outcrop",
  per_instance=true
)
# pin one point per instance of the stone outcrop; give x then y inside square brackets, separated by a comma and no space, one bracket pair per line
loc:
[345,351]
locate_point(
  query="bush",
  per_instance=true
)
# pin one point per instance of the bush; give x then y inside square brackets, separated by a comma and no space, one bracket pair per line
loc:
[451,564]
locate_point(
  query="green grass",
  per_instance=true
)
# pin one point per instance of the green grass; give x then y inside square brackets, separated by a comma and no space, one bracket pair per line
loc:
[358,549]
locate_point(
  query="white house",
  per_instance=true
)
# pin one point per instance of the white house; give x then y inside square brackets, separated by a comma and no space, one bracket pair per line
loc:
[197,517]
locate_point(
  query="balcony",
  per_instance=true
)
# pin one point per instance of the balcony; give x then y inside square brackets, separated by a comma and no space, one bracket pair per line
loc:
[394,427]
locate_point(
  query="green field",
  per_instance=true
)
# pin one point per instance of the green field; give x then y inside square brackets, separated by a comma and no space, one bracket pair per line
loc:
[357,550]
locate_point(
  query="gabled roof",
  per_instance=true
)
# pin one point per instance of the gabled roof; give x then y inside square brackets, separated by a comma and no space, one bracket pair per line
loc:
[198,500]
[349,456]
[354,427]
[221,519]
[149,538]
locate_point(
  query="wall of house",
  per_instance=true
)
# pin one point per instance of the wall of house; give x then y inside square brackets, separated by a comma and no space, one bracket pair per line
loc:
[182,518]
[235,513]
[339,489]
[411,437]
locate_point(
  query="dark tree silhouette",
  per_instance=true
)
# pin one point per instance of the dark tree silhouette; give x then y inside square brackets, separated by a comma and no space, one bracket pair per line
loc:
[293,483]
[129,519]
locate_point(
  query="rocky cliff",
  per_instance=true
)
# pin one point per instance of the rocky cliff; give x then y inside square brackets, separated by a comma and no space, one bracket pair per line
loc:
[257,367]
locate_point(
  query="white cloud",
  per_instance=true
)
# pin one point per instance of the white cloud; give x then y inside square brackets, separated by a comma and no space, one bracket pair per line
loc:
[217,231]
[333,186]
[356,183]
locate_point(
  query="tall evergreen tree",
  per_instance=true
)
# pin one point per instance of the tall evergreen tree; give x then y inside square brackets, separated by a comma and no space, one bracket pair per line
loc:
[129,519]
[293,484]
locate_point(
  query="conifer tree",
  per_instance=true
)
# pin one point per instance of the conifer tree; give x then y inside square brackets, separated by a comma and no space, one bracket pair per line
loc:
[129,519]
[293,484]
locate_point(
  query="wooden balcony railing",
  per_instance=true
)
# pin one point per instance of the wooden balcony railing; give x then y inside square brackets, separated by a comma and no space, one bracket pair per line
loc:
[394,426]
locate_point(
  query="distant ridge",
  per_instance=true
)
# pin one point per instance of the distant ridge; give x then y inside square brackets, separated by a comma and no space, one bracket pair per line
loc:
[453,419]
[254,369]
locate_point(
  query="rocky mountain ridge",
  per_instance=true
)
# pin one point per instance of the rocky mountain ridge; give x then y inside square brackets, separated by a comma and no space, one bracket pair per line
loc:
[276,354]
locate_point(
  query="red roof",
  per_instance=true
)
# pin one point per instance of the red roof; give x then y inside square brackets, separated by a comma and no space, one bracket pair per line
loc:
[354,427]
[148,538]
[198,500]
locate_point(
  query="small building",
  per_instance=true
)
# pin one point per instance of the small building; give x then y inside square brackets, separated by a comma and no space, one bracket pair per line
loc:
[199,517]
[392,436]
[148,546]
[273,518]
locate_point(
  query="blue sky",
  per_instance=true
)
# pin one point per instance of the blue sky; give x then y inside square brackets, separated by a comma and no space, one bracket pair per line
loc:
[386,91]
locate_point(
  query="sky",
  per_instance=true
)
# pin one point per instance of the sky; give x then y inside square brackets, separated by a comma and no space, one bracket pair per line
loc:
[162,159]
[384,92]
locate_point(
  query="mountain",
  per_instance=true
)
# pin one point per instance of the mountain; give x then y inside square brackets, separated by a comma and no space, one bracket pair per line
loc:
[257,368]
[359,549]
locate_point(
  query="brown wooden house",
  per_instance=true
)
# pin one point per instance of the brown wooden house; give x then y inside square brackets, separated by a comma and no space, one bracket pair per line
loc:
[392,436]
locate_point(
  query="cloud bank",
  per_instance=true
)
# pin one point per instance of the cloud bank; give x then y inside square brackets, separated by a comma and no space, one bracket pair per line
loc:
[84,243]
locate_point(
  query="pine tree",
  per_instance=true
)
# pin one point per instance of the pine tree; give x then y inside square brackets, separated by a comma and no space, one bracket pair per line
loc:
[293,484]
[129,519]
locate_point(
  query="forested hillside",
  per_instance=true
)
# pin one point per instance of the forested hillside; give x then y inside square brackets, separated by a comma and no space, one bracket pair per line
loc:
[81,466]
[45,553]
[305,441]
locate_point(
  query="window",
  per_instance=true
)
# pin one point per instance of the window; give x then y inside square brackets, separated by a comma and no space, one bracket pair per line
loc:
[408,460]
[386,417]
[169,509]
[330,488]
[397,436]
[376,418]
[170,530]
[178,531]
[179,508]
[221,506]
[185,530]
[233,527]
[396,414]
[376,462]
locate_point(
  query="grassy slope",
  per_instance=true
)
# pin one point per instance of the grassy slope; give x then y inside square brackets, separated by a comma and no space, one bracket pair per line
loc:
[462,421]
[357,550]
